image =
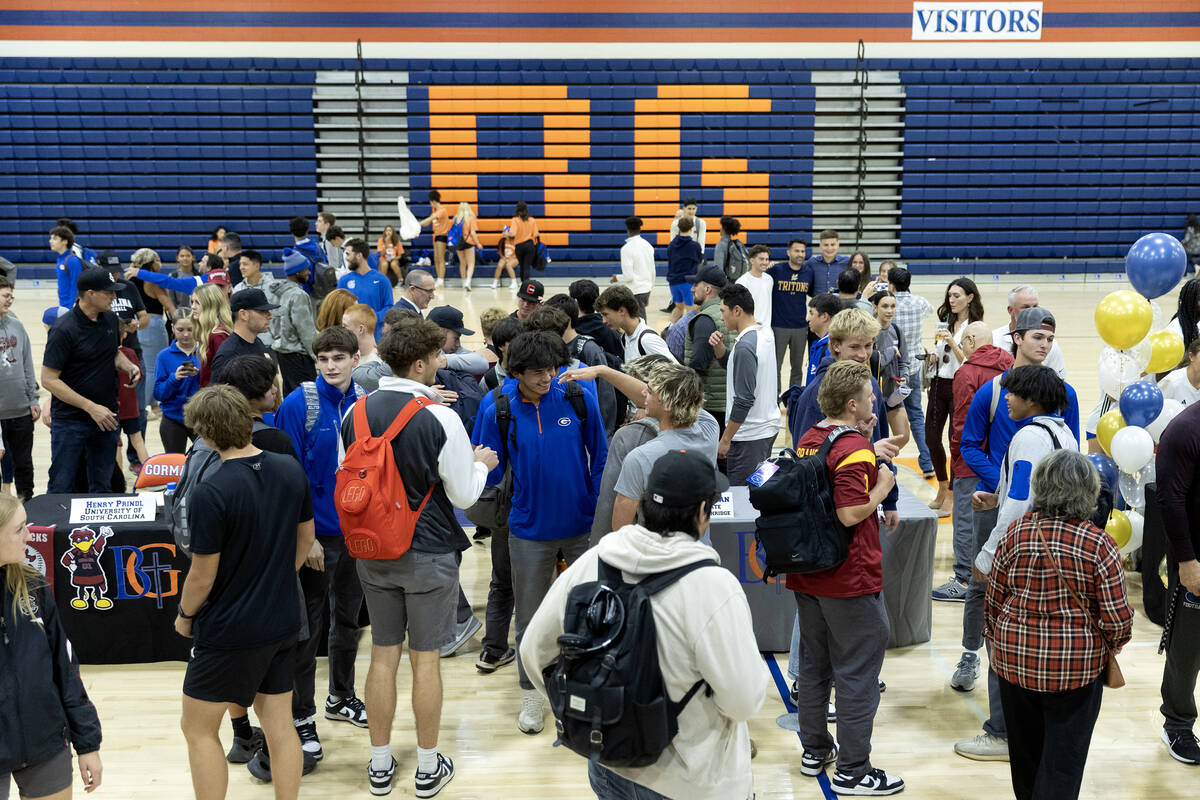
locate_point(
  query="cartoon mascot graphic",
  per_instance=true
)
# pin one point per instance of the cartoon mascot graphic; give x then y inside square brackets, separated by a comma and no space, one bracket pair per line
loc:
[83,562]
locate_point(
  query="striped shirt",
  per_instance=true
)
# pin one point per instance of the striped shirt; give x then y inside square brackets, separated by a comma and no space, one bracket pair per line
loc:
[911,310]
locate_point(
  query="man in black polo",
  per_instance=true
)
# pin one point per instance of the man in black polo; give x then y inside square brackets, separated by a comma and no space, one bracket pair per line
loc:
[251,316]
[79,369]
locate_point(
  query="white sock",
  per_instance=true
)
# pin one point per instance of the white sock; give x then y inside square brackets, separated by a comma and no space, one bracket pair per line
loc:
[381,756]
[333,700]
[427,760]
[308,747]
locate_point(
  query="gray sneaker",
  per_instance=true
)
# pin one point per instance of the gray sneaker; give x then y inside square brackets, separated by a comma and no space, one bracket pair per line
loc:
[952,591]
[963,679]
[983,747]
[463,631]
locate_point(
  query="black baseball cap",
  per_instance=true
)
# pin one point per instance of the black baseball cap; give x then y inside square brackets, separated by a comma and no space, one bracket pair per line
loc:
[531,290]
[250,300]
[450,318]
[709,273]
[109,260]
[1034,319]
[98,280]
[682,478]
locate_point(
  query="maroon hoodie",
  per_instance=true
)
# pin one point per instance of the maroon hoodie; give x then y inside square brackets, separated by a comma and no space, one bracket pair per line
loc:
[984,364]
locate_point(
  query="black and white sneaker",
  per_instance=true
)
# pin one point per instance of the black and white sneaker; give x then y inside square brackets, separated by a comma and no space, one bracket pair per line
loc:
[1182,746]
[348,709]
[875,783]
[381,779]
[489,662]
[309,742]
[430,783]
[813,764]
[244,749]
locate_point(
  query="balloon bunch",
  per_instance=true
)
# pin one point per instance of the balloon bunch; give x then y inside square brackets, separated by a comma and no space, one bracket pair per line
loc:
[1132,326]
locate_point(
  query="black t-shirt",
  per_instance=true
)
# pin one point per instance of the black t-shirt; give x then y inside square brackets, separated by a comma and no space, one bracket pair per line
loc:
[84,352]
[274,440]
[247,511]
[126,305]
[236,346]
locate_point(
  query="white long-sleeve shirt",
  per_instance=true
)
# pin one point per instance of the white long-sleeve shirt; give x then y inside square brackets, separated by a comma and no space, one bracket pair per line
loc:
[637,265]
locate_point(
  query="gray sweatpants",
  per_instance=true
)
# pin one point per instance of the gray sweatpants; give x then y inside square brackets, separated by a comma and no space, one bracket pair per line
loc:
[532,573]
[744,457]
[973,623]
[964,528]
[1183,659]
[795,341]
[844,640]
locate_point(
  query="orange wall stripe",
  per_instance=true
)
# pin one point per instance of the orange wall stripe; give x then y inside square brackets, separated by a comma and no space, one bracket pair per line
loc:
[723,165]
[451,136]
[572,180]
[567,120]
[567,151]
[572,136]
[528,106]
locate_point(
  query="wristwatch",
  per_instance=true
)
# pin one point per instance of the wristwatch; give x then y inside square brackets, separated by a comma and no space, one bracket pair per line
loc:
[183,615]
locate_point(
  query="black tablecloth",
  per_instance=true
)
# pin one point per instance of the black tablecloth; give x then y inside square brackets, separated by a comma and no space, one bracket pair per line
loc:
[118,597]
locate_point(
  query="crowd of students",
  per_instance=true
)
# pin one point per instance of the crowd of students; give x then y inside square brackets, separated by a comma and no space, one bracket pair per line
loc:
[615,441]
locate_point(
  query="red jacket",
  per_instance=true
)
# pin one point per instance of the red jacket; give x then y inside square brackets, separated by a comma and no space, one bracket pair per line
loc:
[984,364]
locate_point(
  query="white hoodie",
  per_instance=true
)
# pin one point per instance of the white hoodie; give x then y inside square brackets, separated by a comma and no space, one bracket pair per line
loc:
[704,632]
[1028,446]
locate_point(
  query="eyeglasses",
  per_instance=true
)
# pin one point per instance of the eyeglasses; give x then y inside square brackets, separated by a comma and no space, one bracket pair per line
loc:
[423,289]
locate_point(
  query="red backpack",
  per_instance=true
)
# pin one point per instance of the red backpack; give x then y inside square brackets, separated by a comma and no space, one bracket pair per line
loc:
[370,497]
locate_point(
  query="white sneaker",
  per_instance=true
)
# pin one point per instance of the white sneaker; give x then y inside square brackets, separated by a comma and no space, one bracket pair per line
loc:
[496,284]
[439,284]
[513,284]
[983,747]
[467,285]
[530,718]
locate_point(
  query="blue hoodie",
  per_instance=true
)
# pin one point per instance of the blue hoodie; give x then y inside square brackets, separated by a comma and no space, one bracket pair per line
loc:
[684,258]
[557,462]
[804,412]
[318,448]
[978,433]
[68,268]
[170,392]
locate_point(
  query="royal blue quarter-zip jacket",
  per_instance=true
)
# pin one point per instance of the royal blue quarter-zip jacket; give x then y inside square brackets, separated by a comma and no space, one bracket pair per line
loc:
[170,392]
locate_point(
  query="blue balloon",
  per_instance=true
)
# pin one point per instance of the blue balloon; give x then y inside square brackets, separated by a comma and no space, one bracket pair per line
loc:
[1155,263]
[1141,403]
[1107,468]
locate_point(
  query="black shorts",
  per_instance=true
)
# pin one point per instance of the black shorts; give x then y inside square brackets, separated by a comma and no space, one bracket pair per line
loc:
[463,245]
[236,676]
[442,239]
[131,426]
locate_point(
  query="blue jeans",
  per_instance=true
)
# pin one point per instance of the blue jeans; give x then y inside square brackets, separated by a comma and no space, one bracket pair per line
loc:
[153,339]
[916,421]
[75,444]
[608,785]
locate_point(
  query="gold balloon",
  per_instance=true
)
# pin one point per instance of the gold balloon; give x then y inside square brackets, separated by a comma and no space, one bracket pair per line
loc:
[1119,528]
[1166,352]
[1123,319]
[1107,428]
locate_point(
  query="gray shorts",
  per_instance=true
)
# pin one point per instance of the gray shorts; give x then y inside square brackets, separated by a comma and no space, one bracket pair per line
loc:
[417,593]
[38,780]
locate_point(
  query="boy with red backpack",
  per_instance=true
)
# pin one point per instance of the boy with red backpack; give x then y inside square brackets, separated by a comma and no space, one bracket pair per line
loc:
[413,588]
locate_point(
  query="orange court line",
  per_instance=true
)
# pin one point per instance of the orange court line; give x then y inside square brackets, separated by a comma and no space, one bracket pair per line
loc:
[166,33]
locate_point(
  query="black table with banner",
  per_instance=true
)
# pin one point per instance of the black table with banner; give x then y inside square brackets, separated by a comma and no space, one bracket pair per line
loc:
[907,572]
[115,572]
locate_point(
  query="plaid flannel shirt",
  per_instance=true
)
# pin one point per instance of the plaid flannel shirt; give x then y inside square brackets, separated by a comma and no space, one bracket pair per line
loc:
[1040,638]
[911,309]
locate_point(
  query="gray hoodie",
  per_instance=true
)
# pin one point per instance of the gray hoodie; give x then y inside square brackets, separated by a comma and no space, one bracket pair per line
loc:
[293,327]
[18,386]
[1029,445]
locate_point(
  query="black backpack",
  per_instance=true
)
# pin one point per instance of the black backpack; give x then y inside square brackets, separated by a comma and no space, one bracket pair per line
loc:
[491,509]
[606,688]
[470,395]
[798,529]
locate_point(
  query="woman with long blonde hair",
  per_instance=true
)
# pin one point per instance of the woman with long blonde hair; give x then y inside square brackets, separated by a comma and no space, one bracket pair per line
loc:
[46,708]
[333,308]
[468,241]
[214,323]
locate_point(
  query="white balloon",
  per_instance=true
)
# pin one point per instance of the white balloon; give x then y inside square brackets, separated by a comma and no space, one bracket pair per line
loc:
[1133,491]
[1137,522]
[1141,353]
[1159,318]
[1132,448]
[1169,411]
[1118,369]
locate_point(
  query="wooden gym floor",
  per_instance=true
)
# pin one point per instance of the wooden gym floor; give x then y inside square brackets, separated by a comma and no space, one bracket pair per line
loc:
[919,717]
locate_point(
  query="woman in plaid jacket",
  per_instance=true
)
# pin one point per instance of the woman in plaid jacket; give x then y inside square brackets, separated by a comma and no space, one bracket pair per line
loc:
[1048,652]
